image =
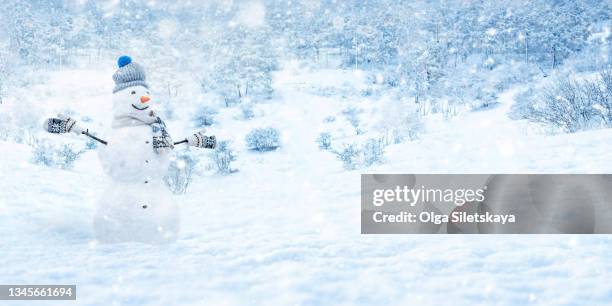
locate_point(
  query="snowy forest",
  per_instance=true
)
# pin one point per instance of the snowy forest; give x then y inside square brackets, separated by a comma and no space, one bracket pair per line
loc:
[417,57]
[303,96]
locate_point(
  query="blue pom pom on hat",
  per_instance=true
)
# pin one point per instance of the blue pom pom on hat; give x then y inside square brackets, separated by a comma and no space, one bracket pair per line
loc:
[123,60]
[129,74]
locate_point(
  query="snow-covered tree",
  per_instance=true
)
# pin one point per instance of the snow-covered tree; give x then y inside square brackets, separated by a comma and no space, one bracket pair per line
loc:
[242,66]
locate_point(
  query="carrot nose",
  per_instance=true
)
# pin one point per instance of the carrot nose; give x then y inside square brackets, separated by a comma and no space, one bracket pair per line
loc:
[144,99]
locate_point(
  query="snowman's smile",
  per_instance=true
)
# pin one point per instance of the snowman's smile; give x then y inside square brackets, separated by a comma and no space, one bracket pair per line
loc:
[134,106]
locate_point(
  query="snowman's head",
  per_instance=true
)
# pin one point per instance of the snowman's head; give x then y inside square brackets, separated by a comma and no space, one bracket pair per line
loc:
[131,92]
[132,100]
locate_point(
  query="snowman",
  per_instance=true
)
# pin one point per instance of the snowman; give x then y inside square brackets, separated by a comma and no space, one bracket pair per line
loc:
[135,204]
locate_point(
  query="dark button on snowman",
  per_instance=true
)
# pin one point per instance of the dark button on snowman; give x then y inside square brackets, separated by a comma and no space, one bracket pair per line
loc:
[137,150]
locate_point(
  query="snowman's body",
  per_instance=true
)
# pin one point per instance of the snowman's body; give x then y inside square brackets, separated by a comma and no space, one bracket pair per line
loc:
[136,205]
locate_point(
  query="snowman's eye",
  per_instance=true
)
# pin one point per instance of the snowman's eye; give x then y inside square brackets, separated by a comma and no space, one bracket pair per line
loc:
[133,92]
[147,92]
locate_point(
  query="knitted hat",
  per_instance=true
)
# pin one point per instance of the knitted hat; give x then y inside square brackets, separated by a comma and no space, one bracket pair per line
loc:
[129,74]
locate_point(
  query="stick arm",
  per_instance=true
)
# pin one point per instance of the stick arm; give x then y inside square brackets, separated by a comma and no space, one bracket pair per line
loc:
[86,133]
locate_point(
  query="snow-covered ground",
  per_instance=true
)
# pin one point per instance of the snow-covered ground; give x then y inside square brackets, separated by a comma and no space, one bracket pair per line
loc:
[490,142]
[285,230]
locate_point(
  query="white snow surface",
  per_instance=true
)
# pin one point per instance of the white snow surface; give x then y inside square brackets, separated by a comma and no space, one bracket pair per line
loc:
[285,230]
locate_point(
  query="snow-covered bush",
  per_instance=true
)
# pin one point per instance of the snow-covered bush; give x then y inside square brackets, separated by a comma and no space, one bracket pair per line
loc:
[324,141]
[66,155]
[367,92]
[43,153]
[349,155]
[373,150]
[523,104]
[222,157]
[205,116]
[6,126]
[247,112]
[400,120]
[601,93]
[571,105]
[180,172]
[91,144]
[354,156]
[329,119]
[345,90]
[47,154]
[352,115]
[563,105]
[263,139]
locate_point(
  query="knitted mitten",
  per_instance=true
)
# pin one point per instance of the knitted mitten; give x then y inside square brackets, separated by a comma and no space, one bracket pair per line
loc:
[202,141]
[62,125]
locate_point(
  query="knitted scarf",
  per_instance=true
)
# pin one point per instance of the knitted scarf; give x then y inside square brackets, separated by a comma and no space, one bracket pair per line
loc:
[162,142]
